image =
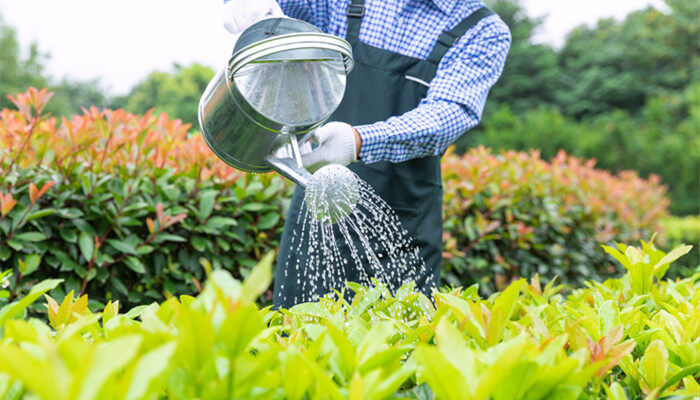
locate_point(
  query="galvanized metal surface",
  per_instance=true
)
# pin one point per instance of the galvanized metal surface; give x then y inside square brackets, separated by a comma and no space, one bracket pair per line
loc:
[245,135]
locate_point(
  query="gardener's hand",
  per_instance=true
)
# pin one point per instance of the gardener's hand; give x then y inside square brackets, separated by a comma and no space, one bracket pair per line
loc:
[338,143]
[240,14]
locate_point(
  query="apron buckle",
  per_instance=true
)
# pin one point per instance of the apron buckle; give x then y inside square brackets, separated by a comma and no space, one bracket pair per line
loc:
[356,10]
[448,39]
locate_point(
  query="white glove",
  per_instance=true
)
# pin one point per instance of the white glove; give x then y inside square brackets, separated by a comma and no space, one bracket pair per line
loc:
[336,145]
[238,15]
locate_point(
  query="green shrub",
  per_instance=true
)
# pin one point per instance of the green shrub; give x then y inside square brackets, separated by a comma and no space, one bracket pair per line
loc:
[514,214]
[634,337]
[97,198]
[119,193]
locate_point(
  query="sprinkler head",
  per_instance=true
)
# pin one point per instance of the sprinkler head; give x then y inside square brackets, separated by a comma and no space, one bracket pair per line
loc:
[332,193]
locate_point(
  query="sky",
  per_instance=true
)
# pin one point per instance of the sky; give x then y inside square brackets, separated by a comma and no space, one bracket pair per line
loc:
[120,42]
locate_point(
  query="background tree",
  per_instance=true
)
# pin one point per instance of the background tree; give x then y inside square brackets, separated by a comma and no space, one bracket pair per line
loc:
[620,65]
[531,76]
[17,73]
[176,93]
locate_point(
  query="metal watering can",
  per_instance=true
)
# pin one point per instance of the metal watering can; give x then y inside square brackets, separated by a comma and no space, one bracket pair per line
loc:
[285,79]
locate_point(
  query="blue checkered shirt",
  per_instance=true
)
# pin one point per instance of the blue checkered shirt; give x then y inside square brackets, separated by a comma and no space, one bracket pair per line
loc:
[457,94]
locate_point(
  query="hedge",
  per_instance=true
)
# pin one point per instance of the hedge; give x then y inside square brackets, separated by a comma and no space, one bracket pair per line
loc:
[98,198]
[124,206]
[513,214]
[630,338]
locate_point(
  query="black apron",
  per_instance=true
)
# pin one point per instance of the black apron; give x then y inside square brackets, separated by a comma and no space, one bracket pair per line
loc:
[377,89]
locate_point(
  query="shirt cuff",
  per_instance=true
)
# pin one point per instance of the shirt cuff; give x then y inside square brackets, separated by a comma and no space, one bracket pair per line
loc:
[372,141]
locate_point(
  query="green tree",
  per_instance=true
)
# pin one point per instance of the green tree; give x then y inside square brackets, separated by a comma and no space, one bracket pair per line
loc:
[619,65]
[176,93]
[662,140]
[17,73]
[70,96]
[531,76]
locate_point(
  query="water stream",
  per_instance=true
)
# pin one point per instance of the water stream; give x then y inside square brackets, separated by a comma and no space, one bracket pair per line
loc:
[349,234]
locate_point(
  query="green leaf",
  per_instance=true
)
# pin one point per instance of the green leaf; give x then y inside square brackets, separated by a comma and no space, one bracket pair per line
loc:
[5,253]
[29,265]
[198,244]
[119,286]
[31,236]
[502,310]
[618,256]
[254,207]
[169,237]
[122,246]
[258,281]
[691,371]
[344,348]
[217,222]
[23,367]
[206,203]
[41,213]
[268,221]
[135,264]
[110,357]
[510,354]
[615,392]
[453,346]
[16,245]
[642,278]
[16,307]
[296,378]
[149,367]
[86,245]
[70,213]
[145,249]
[239,329]
[68,234]
[662,266]
[654,364]
[440,375]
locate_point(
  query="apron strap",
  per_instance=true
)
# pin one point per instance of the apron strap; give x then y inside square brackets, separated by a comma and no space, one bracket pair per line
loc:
[449,37]
[355,12]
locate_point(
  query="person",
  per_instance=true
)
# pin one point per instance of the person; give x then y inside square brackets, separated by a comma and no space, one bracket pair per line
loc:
[423,69]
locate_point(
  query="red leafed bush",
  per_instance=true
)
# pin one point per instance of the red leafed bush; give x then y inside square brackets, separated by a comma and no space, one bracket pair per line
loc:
[126,207]
[519,215]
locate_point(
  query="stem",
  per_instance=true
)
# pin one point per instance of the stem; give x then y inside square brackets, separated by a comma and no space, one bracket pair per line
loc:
[19,223]
[102,160]
[35,121]
[102,239]
[145,242]
[87,274]
[14,289]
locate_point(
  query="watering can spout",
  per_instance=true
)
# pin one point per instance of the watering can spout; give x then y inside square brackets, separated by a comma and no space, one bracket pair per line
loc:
[287,161]
[290,169]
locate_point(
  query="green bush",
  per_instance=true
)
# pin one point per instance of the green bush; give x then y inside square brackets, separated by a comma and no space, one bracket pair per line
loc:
[623,339]
[514,214]
[97,198]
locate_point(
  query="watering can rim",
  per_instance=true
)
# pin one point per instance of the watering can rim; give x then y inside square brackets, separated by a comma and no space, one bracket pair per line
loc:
[291,41]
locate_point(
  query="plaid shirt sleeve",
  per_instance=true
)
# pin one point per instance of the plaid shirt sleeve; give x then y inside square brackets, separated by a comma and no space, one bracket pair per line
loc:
[312,11]
[453,105]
